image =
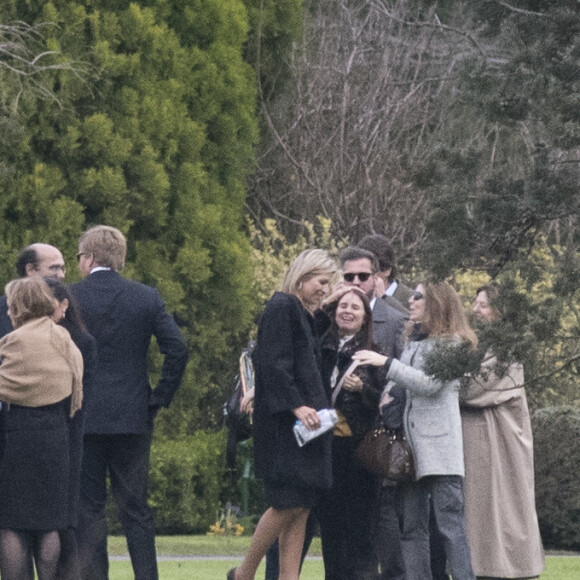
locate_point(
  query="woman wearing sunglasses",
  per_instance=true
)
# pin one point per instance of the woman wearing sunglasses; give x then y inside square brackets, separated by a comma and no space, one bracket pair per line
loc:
[433,428]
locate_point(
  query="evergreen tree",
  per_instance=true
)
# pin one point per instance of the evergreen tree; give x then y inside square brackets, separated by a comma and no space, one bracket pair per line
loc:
[157,140]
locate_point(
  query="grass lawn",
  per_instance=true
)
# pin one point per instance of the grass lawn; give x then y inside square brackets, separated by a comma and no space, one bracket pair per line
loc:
[558,567]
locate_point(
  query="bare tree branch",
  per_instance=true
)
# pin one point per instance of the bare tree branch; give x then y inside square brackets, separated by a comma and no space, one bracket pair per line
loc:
[23,55]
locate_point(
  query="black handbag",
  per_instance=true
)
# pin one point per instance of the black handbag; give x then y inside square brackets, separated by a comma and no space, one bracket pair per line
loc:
[386,453]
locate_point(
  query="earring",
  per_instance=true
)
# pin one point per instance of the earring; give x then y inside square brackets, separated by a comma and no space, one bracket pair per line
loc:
[299,285]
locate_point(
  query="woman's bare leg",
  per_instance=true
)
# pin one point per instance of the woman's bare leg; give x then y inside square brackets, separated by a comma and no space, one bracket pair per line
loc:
[291,543]
[272,525]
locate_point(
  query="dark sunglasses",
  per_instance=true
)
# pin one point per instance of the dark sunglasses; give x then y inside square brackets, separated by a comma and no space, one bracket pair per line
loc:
[362,276]
[417,295]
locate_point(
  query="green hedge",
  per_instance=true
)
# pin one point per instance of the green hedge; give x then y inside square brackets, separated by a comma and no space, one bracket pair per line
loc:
[187,479]
[189,484]
[557,466]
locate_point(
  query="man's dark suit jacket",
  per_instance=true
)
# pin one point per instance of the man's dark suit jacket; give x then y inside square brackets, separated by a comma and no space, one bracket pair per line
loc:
[123,315]
[388,326]
[5,323]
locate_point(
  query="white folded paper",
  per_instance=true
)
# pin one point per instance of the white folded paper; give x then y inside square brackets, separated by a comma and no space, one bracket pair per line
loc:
[328,418]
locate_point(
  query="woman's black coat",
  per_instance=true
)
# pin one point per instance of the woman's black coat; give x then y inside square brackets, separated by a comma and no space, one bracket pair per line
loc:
[359,408]
[287,368]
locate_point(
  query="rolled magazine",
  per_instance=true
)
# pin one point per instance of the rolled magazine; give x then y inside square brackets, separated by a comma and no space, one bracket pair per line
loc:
[328,418]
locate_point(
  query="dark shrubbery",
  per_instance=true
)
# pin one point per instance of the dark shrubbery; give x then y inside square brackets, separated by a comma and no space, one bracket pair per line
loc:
[557,466]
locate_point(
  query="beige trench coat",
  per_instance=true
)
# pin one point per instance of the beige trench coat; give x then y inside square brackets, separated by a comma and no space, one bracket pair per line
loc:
[500,509]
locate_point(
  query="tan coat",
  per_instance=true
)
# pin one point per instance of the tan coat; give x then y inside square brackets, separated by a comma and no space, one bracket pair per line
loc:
[500,509]
[40,366]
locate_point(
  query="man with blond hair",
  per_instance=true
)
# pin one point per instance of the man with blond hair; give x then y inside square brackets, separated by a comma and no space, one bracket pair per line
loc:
[123,316]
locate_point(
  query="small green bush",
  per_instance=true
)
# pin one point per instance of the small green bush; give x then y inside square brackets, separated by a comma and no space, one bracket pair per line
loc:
[187,477]
[557,467]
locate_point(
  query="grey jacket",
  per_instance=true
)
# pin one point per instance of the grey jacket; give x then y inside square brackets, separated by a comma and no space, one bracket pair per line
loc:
[388,325]
[432,420]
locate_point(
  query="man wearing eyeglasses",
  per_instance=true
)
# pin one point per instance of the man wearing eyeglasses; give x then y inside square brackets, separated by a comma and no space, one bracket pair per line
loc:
[123,316]
[360,268]
[34,260]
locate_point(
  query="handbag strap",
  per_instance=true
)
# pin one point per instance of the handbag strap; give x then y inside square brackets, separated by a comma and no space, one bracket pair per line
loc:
[338,386]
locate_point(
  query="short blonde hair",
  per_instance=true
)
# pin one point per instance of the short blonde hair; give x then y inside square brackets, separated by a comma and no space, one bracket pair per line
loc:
[29,298]
[309,263]
[107,246]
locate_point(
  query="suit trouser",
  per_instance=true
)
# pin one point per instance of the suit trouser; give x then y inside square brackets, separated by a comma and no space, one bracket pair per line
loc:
[387,535]
[125,458]
[346,514]
[446,493]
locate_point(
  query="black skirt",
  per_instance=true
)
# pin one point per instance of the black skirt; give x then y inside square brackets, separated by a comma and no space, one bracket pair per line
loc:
[34,469]
[286,496]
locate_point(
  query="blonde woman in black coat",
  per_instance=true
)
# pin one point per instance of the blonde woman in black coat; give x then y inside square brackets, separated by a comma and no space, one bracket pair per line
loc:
[289,387]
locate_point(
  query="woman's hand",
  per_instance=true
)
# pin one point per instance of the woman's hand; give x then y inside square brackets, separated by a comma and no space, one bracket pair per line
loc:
[370,357]
[385,399]
[247,402]
[337,291]
[308,416]
[352,383]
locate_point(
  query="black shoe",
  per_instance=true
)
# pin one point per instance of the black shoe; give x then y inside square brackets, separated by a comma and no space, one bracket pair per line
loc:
[231,574]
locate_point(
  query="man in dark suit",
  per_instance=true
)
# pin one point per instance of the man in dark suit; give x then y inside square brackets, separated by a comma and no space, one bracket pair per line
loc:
[360,268]
[34,260]
[123,316]
[396,294]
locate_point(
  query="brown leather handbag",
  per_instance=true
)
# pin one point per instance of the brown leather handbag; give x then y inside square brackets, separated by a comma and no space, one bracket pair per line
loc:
[386,453]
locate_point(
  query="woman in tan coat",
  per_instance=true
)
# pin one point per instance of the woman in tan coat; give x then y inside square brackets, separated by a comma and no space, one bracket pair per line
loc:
[500,509]
[40,384]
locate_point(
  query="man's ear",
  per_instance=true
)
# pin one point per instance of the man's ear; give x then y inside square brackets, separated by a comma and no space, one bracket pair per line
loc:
[30,269]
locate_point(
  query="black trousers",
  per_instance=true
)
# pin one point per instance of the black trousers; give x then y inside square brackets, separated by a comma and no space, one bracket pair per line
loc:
[125,459]
[387,536]
[345,514]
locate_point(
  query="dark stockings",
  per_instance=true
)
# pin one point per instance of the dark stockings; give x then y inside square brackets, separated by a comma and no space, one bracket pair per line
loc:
[68,565]
[19,549]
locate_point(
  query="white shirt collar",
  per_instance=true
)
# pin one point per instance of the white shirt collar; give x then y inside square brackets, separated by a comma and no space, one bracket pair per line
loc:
[99,269]
[391,289]
[344,340]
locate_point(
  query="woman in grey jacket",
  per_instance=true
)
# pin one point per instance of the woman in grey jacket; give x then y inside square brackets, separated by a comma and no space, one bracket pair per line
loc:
[433,428]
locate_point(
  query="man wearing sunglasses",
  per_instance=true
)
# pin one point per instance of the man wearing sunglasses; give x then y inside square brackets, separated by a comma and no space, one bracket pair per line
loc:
[359,268]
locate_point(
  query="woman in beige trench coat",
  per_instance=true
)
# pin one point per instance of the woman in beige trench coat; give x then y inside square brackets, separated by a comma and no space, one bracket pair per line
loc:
[500,509]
